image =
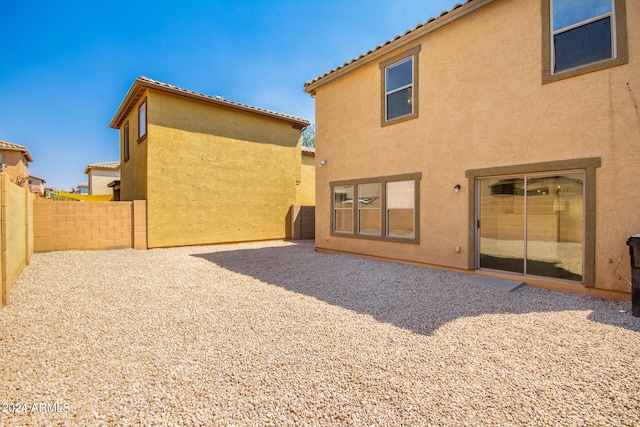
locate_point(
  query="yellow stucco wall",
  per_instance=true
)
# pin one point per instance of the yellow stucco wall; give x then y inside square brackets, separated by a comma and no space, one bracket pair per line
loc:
[217,175]
[482,104]
[133,172]
[306,190]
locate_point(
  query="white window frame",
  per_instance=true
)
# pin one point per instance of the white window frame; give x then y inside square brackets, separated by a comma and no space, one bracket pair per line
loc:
[554,33]
[388,93]
[408,55]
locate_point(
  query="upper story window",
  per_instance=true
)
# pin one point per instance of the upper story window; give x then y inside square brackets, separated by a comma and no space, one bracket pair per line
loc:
[583,36]
[142,120]
[400,87]
[125,141]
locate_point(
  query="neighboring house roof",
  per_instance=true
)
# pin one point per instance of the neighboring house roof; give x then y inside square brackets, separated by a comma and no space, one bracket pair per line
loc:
[37,177]
[111,166]
[142,83]
[310,151]
[8,146]
[409,36]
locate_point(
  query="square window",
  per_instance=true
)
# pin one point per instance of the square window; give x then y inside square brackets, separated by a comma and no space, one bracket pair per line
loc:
[582,36]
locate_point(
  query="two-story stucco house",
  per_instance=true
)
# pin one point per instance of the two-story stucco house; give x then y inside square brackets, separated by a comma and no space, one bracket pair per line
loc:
[211,170]
[100,175]
[501,138]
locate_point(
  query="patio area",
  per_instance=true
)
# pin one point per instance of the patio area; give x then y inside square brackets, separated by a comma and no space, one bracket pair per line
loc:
[277,334]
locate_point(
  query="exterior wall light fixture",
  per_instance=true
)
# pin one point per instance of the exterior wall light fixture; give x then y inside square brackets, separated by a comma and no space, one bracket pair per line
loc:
[457,188]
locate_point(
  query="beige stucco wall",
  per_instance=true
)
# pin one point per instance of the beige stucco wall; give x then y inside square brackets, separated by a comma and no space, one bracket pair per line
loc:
[482,104]
[99,180]
[16,167]
[217,175]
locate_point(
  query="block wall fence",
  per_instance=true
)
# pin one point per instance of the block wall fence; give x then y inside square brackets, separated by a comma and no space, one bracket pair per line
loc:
[16,236]
[89,225]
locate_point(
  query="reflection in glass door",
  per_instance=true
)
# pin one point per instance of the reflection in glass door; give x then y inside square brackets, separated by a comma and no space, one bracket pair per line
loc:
[532,224]
[502,224]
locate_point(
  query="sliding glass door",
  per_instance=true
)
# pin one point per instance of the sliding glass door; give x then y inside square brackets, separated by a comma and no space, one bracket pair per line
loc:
[532,224]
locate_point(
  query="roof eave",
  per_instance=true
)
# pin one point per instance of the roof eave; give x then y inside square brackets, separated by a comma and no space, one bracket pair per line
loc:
[458,11]
[135,93]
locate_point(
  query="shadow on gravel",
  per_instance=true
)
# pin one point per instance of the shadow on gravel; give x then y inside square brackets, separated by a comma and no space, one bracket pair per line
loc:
[414,298]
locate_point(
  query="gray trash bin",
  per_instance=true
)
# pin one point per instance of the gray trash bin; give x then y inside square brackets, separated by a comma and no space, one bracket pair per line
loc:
[634,251]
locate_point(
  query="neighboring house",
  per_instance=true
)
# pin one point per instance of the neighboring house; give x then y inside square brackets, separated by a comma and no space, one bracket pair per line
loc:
[81,189]
[479,140]
[100,175]
[14,161]
[211,170]
[36,185]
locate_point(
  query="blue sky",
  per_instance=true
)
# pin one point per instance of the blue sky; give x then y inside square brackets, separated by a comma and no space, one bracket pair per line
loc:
[65,66]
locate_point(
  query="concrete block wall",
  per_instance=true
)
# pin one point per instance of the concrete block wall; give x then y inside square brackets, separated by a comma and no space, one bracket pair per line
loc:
[15,233]
[88,225]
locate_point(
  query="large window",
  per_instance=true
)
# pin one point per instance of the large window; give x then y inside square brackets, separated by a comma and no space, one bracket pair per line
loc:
[584,35]
[142,120]
[386,208]
[125,141]
[400,87]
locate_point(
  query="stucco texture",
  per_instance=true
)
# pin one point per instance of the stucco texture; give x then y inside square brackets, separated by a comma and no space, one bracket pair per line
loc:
[214,174]
[482,104]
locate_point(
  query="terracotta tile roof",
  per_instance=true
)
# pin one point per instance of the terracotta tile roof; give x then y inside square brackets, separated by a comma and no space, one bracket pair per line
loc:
[37,177]
[311,151]
[114,166]
[8,146]
[444,18]
[144,82]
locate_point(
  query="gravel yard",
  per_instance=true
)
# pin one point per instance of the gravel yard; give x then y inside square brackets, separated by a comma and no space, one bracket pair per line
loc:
[276,334]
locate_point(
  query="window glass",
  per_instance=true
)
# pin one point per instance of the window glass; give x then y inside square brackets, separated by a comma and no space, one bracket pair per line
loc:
[369,218]
[400,103]
[400,209]
[399,75]
[126,141]
[571,12]
[343,208]
[583,45]
[142,120]
[399,89]
[583,32]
